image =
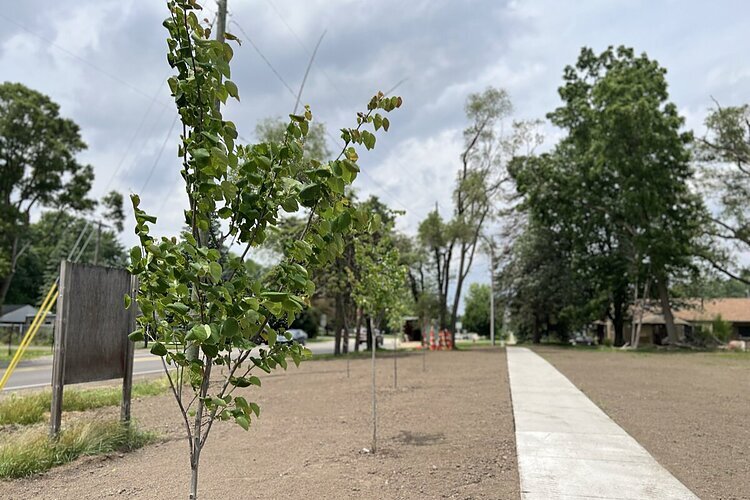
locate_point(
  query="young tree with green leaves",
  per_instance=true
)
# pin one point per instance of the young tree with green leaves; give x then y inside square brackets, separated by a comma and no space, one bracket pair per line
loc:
[205,310]
[380,290]
[38,168]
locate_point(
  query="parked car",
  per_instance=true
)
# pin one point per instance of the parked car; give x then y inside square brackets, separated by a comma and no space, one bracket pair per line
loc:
[299,336]
[362,337]
[581,338]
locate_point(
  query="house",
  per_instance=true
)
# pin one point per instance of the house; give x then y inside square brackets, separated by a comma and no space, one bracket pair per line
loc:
[688,314]
[703,312]
[14,315]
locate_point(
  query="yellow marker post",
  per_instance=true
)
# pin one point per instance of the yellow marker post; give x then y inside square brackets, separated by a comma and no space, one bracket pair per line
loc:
[49,300]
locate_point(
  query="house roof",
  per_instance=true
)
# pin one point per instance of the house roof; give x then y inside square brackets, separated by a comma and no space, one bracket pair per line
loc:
[735,310]
[18,314]
[658,319]
[9,308]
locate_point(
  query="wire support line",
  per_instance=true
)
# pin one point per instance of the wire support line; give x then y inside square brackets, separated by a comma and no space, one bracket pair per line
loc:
[265,59]
[81,59]
[158,156]
[135,135]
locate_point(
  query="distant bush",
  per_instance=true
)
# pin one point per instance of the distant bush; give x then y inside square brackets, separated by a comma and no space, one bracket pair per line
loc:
[308,320]
[722,330]
[608,342]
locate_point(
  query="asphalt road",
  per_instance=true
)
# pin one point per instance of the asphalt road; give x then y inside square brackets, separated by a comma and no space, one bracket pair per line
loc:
[38,372]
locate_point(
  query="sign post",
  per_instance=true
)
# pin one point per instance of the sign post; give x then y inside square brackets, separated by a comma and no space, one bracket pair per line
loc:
[92,327]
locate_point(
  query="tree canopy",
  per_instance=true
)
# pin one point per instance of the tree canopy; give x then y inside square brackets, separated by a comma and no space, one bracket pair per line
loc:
[39,168]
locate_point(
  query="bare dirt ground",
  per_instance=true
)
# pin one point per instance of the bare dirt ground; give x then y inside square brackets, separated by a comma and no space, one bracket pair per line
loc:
[444,433]
[691,411]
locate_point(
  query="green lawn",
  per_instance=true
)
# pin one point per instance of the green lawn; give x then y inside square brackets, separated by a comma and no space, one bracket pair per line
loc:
[31,353]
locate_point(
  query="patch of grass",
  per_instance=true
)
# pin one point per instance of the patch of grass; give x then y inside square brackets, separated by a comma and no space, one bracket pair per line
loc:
[32,408]
[31,451]
[31,353]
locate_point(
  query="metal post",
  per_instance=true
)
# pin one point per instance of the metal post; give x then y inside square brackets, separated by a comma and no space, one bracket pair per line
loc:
[98,241]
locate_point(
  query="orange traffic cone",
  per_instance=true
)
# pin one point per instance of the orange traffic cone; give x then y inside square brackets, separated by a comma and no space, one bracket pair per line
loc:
[432,339]
[448,340]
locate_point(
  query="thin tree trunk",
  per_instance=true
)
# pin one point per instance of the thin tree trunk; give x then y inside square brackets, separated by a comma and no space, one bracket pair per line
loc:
[197,444]
[395,359]
[359,327]
[370,332]
[338,326]
[667,310]
[374,399]
[5,286]
[618,321]
[536,332]
[640,314]
[345,339]
[636,310]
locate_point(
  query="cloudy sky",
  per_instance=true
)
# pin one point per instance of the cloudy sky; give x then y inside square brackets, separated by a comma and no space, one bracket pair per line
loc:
[104,62]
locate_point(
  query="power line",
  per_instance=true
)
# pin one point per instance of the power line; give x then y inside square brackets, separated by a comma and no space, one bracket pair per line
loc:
[80,59]
[281,79]
[158,156]
[268,63]
[134,136]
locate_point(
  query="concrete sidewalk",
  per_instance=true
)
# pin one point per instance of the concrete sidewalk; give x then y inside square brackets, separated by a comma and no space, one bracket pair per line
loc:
[568,448]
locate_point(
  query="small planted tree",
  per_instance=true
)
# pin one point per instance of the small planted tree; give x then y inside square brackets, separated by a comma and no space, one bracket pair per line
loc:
[381,291]
[208,313]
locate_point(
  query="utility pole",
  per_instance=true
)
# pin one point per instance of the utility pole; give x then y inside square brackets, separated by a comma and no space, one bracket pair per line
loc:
[221,20]
[192,352]
[491,247]
[98,240]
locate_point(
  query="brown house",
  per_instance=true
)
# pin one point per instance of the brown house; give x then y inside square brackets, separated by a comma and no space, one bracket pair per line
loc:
[690,314]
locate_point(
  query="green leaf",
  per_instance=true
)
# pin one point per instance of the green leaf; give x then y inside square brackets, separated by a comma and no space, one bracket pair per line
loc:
[255,408]
[232,89]
[128,300]
[179,308]
[136,336]
[241,403]
[310,192]
[242,421]
[230,328]
[158,349]
[351,154]
[199,333]
[215,270]
[275,296]
[135,255]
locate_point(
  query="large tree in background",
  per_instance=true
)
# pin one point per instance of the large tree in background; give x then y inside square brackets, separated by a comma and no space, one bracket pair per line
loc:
[617,187]
[51,238]
[38,168]
[476,317]
[724,152]
[451,245]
